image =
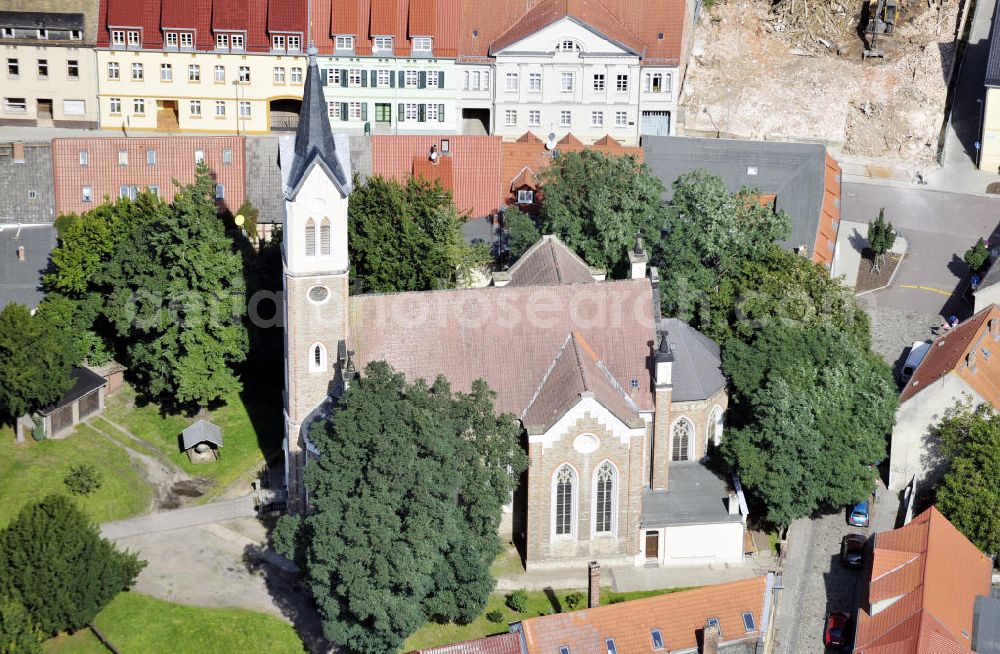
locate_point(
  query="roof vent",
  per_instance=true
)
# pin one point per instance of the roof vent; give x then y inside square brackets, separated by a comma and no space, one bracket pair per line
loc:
[20,253]
[751,170]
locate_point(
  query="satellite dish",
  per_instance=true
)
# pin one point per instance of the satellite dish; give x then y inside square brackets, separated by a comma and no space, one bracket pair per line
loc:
[240,220]
[551,143]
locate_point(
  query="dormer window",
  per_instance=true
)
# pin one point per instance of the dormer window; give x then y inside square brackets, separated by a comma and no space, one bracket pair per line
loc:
[7,32]
[133,37]
[237,40]
[278,42]
[171,39]
[422,43]
[345,42]
[222,41]
[187,40]
[567,45]
[43,33]
[118,37]
[75,35]
[382,44]
[294,43]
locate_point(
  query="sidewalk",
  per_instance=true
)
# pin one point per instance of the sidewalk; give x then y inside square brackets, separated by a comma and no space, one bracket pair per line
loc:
[628,578]
[180,518]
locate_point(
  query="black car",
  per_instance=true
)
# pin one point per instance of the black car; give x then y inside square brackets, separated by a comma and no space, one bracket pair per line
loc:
[852,550]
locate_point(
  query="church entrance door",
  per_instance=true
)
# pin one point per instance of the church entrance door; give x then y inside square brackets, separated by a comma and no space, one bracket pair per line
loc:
[652,545]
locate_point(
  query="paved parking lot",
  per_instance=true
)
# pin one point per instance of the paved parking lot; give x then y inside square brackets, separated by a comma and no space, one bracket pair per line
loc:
[814,580]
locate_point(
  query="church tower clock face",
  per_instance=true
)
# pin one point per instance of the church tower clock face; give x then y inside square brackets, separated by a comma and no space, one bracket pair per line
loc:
[319,294]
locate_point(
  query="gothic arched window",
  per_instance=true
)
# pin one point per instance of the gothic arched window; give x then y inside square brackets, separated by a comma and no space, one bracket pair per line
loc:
[317,358]
[324,237]
[310,238]
[681,440]
[604,498]
[565,493]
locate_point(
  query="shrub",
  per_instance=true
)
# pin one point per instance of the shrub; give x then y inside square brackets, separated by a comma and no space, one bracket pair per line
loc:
[573,599]
[496,617]
[285,535]
[977,256]
[518,601]
[83,479]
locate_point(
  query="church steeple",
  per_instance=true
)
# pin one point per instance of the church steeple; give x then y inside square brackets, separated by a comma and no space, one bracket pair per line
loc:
[313,138]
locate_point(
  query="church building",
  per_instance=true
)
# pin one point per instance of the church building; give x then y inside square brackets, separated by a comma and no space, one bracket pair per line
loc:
[618,404]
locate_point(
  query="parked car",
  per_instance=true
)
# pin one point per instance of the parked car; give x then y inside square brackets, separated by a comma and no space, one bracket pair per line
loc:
[852,550]
[835,632]
[859,515]
[918,351]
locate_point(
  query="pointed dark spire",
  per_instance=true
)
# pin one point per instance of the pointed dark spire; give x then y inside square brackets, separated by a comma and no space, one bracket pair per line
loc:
[314,138]
[666,350]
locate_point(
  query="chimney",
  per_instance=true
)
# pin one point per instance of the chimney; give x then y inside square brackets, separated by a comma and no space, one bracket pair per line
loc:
[20,253]
[663,392]
[734,504]
[638,259]
[594,588]
[664,362]
[712,634]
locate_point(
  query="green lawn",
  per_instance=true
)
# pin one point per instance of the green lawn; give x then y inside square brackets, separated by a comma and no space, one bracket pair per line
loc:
[539,603]
[30,471]
[137,623]
[251,430]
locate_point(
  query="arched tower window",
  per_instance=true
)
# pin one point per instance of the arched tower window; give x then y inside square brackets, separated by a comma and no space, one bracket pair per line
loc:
[681,440]
[564,501]
[317,358]
[324,237]
[310,238]
[604,498]
[715,426]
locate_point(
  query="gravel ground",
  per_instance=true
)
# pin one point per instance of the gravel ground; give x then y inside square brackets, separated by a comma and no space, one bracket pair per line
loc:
[894,330]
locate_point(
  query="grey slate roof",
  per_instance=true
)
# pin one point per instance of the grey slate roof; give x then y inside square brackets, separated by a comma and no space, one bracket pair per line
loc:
[202,431]
[42,20]
[794,172]
[697,368]
[993,58]
[21,281]
[28,196]
[314,141]
[992,275]
[986,625]
[694,495]
[84,381]
[264,183]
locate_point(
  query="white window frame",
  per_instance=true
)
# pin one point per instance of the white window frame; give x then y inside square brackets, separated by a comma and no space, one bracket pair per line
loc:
[411,79]
[122,157]
[431,112]
[70,65]
[333,76]
[511,82]
[423,44]
[139,106]
[565,118]
[534,118]
[114,70]
[15,105]
[220,108]
[566,82]
[354,111]
[87,194]
[411,111]
[534,82]
[294,43]
[278,42]
[166,72]
[344,42]
[574,503]
[199,156]
[117,37]
[333,110]
[194,72]
[245,109]
[621,119]
[220,74]
[171,39]
[597,119]
[433,79]
[222,41]
[525,196]
[615,481]
[621,83]
[115,105]
[383,78]
[244,75]
[187,40]
[220,191]
[599,80]
[138,71]
[321,366]
[354,76]
[279,74]
[716,424]
[84,157]
[133,37]
[382,44]
[296,75]
[194,107]
[237,41]
[510,117]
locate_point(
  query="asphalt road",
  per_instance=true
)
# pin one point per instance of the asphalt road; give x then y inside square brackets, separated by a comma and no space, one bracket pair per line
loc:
[939,227]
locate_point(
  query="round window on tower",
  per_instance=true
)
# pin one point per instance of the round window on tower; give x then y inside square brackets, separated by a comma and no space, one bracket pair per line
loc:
[319,294]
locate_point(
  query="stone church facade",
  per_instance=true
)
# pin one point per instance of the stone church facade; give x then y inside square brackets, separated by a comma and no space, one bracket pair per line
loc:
[618,404]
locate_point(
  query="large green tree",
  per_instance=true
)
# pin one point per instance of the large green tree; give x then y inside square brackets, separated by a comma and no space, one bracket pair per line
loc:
[178,299]
[54,562]
[812,411]
[777,285]
[969,491]
[710,234]
[408,492]
[36,357]
[18,633]
[598,203]
[408,237]
[522,232]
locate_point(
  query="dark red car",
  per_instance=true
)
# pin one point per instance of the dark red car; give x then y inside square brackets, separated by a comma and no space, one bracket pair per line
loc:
[835,633]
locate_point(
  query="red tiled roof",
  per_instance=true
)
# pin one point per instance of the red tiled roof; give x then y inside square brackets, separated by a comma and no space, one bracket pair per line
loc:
[589,12]
[440,170]
[930,575]
[499,644]
[680,617]
[635,23]
[965,351]
[549,261]
[528,152]
[259,18]
[829,218]
[400,19]
[174,161]
[508,336]
[576,371]
[474,163]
